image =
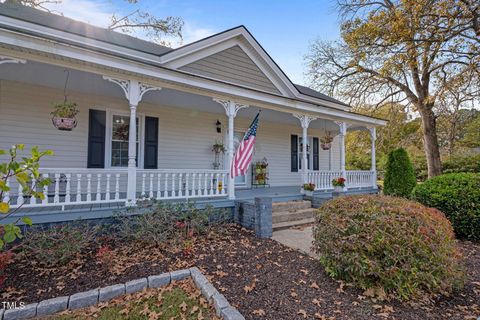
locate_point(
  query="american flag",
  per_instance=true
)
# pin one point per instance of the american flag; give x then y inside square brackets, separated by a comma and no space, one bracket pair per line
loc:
[243,154]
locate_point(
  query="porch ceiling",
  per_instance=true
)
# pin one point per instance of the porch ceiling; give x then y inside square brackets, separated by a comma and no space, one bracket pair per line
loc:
[37,73]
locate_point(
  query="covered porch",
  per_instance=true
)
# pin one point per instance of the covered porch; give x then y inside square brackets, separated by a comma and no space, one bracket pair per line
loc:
[92,171]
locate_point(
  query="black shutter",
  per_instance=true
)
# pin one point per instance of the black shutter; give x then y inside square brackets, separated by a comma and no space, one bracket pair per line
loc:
[96,139]
[294,154]
[316,162]
[151,143]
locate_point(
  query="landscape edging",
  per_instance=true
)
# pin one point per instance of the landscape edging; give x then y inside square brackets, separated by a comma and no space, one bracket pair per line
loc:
[222,307]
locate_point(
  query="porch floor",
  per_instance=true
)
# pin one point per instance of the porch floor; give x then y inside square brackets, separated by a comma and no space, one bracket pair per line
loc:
[52,214]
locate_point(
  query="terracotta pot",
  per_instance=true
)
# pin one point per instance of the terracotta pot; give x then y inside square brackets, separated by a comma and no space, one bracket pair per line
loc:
[64,124]
[326,146]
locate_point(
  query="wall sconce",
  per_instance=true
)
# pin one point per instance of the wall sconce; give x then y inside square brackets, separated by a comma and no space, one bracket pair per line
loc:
[218,124]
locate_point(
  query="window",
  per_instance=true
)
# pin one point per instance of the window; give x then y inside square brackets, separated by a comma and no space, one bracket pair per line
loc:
[300,152]
[118,125]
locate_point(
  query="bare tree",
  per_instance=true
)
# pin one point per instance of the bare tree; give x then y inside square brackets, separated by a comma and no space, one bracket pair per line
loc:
[155,28]
[408,51]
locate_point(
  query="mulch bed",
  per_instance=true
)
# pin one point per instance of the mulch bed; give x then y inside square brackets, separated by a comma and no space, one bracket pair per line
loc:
[262,278]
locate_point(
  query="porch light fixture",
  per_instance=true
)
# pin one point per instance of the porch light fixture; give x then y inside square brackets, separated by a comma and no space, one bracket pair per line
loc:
[218,124]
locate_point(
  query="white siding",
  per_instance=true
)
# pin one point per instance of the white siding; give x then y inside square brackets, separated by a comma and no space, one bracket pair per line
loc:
[185,136]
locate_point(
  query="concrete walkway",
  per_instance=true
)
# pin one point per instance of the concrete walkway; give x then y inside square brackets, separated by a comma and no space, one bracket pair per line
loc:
[298,238]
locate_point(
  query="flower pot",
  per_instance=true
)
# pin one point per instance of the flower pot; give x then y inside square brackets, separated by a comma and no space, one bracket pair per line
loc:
[64,124]
[326,146]
[308,193]
[338,189]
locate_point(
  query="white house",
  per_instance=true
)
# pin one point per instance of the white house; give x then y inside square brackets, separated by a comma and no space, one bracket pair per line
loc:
[149,115]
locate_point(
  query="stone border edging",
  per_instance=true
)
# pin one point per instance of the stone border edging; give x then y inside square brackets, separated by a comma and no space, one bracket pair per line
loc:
[89,298]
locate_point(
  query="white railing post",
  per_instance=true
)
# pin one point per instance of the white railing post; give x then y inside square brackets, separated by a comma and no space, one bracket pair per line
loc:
[134,91]
[107,188]
[231,109]
[79,188]
[56,197]
[68,177]
[373,166]
[342,133]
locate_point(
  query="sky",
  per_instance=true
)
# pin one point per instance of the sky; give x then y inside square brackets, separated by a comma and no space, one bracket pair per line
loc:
[285,28]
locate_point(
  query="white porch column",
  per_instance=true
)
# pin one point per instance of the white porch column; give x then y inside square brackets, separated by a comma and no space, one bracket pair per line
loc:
[134,91]
[305,122]
[373,167]
[231,109]
[343,131]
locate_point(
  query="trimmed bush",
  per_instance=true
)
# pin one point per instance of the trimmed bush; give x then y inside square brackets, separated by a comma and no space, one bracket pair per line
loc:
[458,196]
[400,175]
[389,246]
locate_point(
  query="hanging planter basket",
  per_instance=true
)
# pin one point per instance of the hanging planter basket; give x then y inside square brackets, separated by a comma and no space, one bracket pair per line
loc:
[326,146]
[64,124]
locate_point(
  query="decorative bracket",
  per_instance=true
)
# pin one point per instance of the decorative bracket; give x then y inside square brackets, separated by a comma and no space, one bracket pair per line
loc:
[343,127]
[231,107]
[305,119]
[134,90]
[5,59]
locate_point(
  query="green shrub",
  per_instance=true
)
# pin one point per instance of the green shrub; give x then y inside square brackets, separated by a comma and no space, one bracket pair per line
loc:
[57,245]
[468,163]
[390,246]
[399,176]
[458,196]
[162,222]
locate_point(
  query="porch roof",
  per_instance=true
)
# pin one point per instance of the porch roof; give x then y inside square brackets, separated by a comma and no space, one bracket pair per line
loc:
[149,50]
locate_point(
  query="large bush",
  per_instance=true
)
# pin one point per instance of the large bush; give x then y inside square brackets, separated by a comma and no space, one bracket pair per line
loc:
[391,246]
[462,163]
[399,175]
[458,196]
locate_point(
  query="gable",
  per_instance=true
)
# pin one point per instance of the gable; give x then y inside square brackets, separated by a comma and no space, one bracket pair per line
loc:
[232,65]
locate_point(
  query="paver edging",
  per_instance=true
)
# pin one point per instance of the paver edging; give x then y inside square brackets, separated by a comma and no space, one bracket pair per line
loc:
[92,297]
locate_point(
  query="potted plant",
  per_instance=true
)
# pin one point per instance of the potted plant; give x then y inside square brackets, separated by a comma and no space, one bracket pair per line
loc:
[64,115]
[308,189]
[338,184]
[326,141]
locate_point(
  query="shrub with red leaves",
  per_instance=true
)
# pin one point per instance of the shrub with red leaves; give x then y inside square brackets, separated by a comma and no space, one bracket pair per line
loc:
[391,246]
[106,257]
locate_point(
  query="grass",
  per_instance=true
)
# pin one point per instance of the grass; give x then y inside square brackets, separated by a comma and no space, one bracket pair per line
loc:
[177,301]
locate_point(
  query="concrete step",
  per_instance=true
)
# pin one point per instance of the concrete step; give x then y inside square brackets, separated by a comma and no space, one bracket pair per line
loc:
[291,206]
[291,224]
[292,216]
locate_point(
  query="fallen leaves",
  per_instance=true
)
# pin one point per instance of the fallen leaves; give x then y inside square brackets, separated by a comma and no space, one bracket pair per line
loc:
[259,312]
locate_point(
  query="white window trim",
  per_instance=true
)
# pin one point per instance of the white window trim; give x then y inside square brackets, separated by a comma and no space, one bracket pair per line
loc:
[108,136]
[247,176]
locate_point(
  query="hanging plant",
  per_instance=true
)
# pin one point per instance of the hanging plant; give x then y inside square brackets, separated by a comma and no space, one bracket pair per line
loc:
[218,147]
[64,113]
[326,141]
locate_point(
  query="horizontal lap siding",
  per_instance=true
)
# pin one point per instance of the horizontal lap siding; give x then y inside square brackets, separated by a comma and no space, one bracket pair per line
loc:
[232,65]
[185,136]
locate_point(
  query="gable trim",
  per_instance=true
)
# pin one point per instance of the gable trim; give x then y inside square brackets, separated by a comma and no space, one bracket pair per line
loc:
[225,40]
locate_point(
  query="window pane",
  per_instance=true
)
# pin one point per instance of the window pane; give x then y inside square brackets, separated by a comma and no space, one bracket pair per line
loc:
[120,129]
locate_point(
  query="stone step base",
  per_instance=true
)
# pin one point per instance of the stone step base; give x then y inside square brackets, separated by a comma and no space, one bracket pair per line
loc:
[291,224]
[291,206]
[286,216]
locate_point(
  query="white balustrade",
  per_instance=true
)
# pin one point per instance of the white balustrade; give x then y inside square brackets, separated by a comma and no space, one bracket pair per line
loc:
[323,179]
[359,179]
[177,184]
[73,187]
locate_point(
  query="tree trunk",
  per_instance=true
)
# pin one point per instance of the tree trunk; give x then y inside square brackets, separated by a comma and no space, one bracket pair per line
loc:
[430,141]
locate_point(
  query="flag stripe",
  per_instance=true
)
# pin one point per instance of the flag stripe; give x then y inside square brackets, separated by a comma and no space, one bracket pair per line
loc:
[244,153]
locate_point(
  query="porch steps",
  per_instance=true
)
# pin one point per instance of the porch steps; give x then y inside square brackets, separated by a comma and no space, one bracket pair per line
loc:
[291,214]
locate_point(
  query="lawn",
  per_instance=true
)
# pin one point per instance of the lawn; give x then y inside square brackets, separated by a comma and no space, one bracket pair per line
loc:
[179,300]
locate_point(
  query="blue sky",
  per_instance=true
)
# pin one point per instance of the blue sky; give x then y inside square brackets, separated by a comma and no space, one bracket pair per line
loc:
[283,28]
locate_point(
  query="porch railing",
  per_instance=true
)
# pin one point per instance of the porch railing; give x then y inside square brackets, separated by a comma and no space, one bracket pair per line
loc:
[79,186]
[323,179]
[360,179]
[173,184]
[355,179]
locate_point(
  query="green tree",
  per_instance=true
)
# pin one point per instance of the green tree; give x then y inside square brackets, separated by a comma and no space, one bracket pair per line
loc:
[399,175]
[407,51]
[25,172]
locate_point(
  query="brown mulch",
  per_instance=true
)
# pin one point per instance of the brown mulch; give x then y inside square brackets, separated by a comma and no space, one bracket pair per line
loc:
[262,278]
